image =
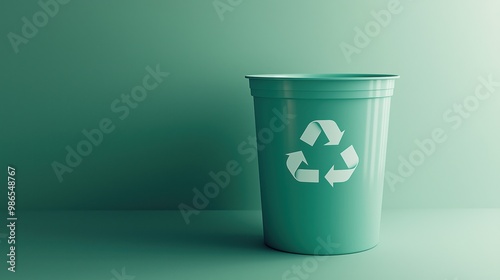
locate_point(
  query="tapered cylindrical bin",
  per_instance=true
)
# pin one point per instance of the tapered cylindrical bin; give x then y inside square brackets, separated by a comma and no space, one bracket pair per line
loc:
[321,141]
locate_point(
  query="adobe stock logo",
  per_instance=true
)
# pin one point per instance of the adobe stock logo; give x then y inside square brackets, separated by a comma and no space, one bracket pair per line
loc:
[49,9]
[248,148]
[122,107]
[373,28]
[222,7]
[454,116]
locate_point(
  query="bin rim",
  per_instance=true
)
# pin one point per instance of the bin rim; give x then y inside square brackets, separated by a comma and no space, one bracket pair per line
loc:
[324,77]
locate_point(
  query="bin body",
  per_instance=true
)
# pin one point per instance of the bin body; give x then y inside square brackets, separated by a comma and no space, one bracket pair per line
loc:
[321,142]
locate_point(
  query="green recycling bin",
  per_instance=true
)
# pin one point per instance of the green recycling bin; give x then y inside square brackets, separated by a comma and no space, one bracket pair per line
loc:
[321,141]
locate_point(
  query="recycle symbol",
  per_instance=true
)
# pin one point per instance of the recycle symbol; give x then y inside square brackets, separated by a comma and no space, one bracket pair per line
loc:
[309,136]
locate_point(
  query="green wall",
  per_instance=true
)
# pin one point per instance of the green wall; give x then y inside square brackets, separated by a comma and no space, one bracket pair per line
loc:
[77,64]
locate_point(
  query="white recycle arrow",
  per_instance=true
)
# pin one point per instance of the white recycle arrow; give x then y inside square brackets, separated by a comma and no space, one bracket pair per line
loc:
[314,128]
[339,176]
[302,175]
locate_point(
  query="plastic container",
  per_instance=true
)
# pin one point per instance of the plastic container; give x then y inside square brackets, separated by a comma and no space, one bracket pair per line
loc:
[321,148]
